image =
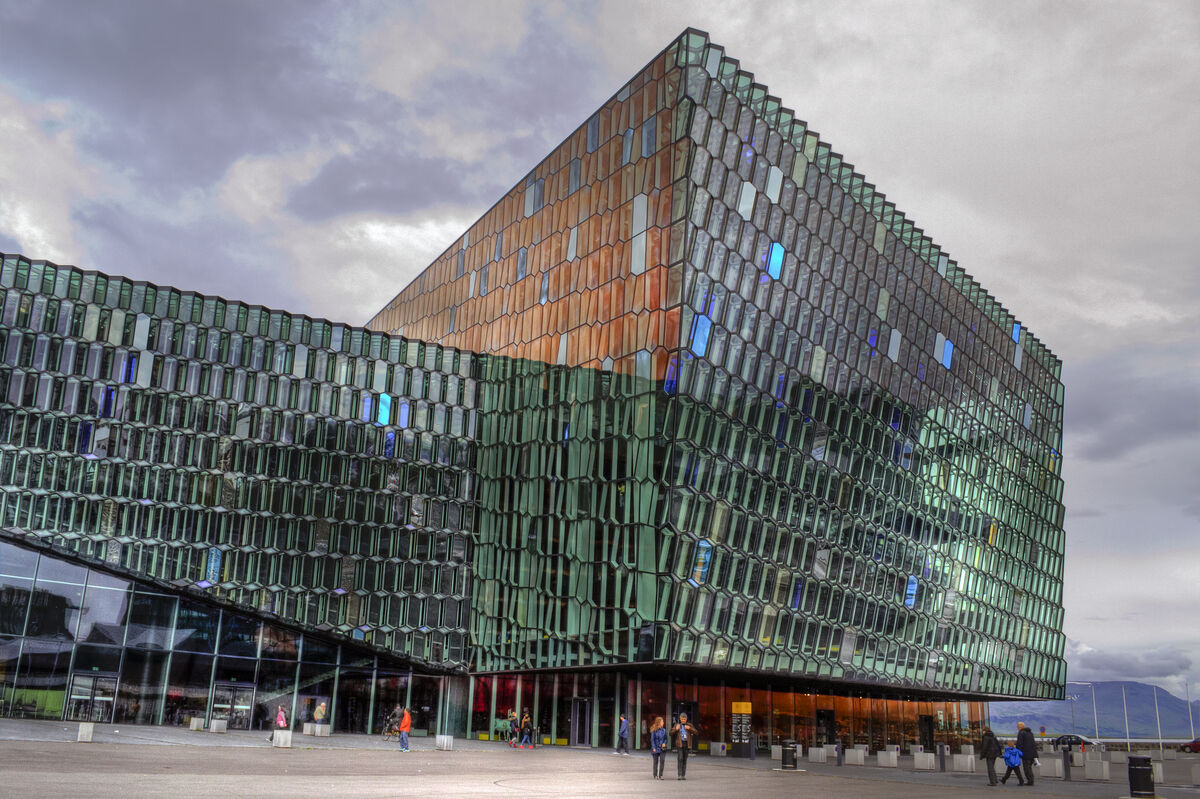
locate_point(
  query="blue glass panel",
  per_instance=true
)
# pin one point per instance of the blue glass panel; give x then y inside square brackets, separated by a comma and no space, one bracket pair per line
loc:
[403,420]
[130,367]
[948,354]
[775,260]
[701,327]
[873,337]
[700,566]
[366,411]
[385,409]
[389,444]
[910,594]
[1017,332]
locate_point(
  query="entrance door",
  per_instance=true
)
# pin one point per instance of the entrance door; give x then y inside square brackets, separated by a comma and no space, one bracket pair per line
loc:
[91,698]
[581,722]
[826,732]
[925,732]
[232,702]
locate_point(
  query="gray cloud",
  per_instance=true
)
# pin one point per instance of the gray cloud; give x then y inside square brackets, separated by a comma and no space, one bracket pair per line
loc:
[1127,664]
[386,182]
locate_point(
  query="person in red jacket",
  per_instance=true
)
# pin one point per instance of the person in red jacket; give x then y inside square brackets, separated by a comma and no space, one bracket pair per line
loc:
[405,726]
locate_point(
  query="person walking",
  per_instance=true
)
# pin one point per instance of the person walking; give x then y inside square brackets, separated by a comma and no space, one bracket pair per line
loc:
[280,722]
[1028,748]
[405,726]
[514,728]
[684,734]
[1012,759]
[658,747]
[526,731]
[319,714]
[623,737]
[989,750]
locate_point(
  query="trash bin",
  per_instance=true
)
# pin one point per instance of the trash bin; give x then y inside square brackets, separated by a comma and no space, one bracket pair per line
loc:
[787,756]
[1141,777]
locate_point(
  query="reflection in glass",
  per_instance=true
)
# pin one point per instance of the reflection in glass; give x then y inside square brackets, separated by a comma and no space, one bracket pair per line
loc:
[140,693]
[102,619]
[187,688]
[41,680]
[196,627]
[54,608]
[150,620]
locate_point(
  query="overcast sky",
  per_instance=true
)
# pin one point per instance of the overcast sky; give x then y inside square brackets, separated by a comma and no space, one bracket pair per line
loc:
[315,156]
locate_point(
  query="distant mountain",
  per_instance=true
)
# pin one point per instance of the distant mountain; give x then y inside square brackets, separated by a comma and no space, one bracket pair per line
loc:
[1074,714]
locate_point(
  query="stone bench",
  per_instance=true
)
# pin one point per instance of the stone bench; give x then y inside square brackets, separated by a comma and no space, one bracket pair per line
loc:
[444,743]
[1050,766]
[1095,770]
[86,730]
[219,725]
[855,757]
[281,739]
[196,724]
[817,754]
[887,759]
[321,730]
[307,728]
[924,761]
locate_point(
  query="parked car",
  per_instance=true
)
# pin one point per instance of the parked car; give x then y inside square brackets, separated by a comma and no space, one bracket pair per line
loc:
[1075,742]
[1191,746]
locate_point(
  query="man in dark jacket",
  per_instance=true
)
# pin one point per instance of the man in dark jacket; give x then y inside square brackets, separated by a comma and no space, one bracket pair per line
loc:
[1028,749]
[989,750]
[685,736]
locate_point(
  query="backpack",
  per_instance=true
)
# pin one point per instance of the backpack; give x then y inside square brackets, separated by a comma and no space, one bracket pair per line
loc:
[1012,757]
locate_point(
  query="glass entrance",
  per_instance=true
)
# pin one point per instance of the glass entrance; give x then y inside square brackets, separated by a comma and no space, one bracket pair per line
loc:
[232,702]
[581,722]
[91,697]
[925,732]
[826,732]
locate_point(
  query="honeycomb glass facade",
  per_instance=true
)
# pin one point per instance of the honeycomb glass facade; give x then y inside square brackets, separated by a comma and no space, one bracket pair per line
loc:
[692,416]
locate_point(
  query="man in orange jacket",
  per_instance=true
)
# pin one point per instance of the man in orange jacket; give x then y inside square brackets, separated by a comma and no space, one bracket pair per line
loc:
[405,726]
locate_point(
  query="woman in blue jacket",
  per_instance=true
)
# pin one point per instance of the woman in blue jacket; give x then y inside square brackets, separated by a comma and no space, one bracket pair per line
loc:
[658,746]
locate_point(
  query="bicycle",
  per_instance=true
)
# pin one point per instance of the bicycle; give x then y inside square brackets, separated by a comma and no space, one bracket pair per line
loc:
[391,732]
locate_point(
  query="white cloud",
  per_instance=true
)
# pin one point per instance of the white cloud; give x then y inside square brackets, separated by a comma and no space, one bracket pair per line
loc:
[42,174]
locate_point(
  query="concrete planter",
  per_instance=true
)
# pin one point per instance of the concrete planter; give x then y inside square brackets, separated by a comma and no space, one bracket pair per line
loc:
[307,728]
[887,759]
[86,730]
[444,743]
[219,725]
[1120,757]
[963,763]
[967,749]
[924,761]
[321,730]
[1050,767]
[855,757]
[817,755]
[1095,770]
[196,724]
[282,739]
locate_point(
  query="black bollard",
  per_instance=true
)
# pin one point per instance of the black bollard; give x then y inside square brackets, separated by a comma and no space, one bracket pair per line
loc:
[1066,753]
[840,758]
[942,756]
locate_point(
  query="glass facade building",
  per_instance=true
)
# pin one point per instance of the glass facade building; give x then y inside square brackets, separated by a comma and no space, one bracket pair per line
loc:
[692,416]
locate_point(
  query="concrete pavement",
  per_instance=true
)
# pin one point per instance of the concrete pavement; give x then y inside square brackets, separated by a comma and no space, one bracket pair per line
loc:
[41,759]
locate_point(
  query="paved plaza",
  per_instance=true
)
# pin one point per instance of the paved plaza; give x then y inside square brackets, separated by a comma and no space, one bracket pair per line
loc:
[41,759]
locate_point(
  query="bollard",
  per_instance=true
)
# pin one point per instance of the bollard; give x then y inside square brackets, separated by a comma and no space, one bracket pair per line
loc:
[1141,778]
[1066,754]
[942,757]
[840,759]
